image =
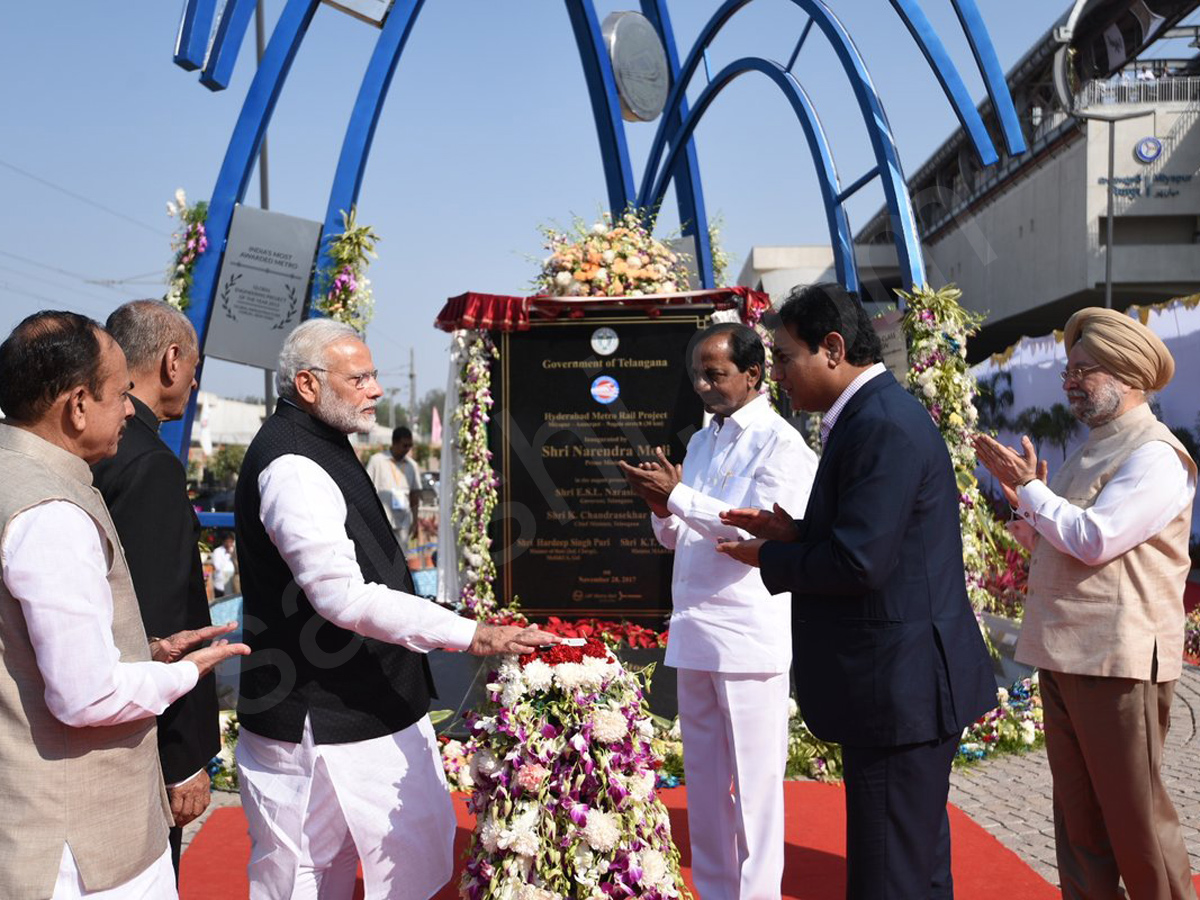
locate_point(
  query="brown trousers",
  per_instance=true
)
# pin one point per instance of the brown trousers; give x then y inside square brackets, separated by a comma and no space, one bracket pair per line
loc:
[1113,819]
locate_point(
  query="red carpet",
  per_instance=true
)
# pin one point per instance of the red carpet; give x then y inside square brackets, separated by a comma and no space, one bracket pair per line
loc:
[214,866]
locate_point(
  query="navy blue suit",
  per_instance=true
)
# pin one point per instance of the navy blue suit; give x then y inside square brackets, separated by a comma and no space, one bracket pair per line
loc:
[888,656]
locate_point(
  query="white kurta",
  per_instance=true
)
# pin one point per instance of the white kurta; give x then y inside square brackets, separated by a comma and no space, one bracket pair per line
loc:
[54,563]
[731,641]
[316,810]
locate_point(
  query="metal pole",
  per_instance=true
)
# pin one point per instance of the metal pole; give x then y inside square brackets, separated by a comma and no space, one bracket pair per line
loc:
[264,201]
[412,388]
[1108,249]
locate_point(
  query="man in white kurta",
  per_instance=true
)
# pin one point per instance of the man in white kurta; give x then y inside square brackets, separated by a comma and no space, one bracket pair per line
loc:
[730,639]
[337,758]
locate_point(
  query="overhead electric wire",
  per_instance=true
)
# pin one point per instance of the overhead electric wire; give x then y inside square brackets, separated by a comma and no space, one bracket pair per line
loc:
[82,199]
[109,283]
[106,301]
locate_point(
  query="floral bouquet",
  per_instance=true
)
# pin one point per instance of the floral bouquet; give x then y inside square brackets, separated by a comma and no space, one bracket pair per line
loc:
[1015,725]
[187,244]
[564,775]
[608,259]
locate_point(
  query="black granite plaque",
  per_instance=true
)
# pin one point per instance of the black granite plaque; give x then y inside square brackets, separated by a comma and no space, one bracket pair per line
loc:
[572,397]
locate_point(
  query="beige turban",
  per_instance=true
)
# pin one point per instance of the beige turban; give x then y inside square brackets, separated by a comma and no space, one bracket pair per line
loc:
[1123,345]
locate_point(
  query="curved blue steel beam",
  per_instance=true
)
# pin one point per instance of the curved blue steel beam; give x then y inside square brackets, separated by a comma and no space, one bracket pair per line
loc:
[191,43]
[689,194]
[231,30]
[993,76]
[934,50]
[606,105]
[235,176]
[820,13]
[887,158]
[835,214]
[360,131]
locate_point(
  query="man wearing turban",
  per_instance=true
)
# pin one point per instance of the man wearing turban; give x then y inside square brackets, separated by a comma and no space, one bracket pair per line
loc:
[1104,615]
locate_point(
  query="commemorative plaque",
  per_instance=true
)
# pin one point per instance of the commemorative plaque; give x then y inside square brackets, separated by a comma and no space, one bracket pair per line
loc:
[262,287]
[573,397]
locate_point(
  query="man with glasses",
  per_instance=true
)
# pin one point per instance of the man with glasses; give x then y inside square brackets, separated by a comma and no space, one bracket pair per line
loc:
[337,757]
[1104,617]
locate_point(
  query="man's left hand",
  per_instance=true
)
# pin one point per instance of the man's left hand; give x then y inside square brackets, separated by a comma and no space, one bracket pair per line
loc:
[654,479]
[743,551]
[190,799]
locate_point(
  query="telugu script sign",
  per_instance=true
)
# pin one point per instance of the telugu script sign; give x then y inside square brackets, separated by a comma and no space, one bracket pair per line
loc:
[573,397]
[262,287]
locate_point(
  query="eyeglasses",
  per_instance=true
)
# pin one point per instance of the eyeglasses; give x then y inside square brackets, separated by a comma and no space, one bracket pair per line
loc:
[1078,373]
[360,381]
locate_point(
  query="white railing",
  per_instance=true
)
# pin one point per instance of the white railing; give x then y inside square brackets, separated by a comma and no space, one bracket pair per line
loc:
[1171,89]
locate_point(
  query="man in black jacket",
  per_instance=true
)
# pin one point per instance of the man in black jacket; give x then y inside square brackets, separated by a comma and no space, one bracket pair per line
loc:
[888,656]
[145,487]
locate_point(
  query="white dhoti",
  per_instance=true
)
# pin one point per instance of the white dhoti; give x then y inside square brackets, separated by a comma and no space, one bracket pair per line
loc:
[316,810]
[155,882]
[734,730]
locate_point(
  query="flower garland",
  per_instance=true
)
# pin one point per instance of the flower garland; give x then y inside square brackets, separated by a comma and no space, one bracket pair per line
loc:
[475,493]
[1191,637]
[609,260]
[186,244]
[937,328]
[564,774]
[1014,726]
[346,292]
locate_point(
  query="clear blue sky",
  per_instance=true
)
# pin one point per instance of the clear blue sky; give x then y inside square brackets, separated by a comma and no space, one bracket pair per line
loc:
[487,134]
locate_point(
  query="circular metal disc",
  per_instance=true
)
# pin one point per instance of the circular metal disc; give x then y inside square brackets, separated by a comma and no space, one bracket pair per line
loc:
[639,65]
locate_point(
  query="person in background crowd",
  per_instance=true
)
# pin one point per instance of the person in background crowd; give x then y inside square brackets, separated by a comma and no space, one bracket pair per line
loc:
[337,758]
[398,482]
[1104,618]
[224,563]
[730,639]
[889,659]
[145,488]
[85,813]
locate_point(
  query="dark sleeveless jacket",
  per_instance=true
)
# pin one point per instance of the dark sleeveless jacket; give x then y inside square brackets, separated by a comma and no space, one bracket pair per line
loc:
[354,688]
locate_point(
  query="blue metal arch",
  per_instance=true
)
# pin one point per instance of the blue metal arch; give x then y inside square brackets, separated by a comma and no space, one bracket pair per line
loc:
[993,76]
[606,105]
[231,30]
[831,193]
[235,176]
[887,158]
[689,192]
[360,131]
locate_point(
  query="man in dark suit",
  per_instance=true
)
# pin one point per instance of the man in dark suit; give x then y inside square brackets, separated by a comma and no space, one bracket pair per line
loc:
[145,487]
[888,656]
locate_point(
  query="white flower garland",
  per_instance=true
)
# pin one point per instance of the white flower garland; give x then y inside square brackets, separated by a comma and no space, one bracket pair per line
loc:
[475,493]
[937,328]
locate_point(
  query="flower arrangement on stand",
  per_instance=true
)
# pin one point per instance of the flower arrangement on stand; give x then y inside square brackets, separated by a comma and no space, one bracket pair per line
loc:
[937,328]
[346,292]
[612,257]
[187,244]
[475,493]
[1191,637]
[1014,726]
[564,774]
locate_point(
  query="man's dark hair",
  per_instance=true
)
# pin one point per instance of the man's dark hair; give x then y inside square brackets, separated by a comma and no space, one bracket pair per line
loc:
[46,355]
[811,311]
[745,346]
[400,432]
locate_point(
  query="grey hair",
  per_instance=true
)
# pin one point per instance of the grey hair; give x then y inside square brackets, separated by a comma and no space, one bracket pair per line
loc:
[144,329]
[305,348]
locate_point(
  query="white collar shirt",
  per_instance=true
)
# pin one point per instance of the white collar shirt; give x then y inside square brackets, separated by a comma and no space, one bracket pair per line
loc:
[831,415]
[723,618]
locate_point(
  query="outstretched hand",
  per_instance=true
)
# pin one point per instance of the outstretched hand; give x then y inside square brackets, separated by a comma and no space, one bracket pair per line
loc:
[208,658]
[771,525]
[743,551]
[175,647]
[492,639]
[653,480]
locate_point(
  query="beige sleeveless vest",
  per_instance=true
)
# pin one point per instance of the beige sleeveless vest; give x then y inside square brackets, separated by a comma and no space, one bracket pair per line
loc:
[1116,618]
[99,789]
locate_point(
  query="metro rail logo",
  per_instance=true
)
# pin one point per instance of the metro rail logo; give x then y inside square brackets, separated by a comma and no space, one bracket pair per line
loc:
[605,389]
